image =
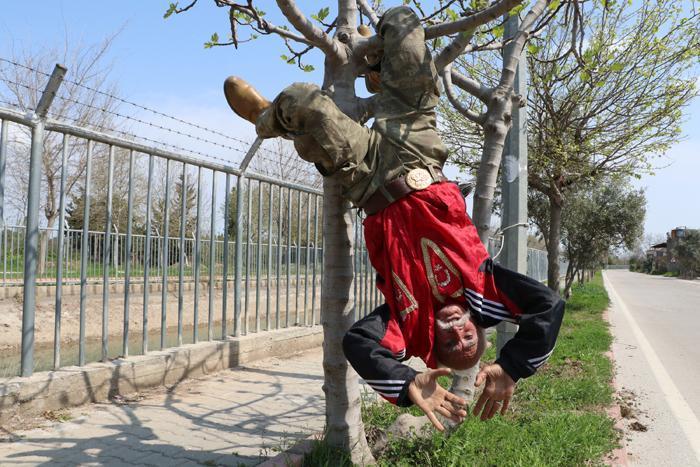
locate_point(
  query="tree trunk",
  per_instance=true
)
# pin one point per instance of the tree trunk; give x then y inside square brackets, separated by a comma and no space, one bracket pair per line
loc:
[571,273]
[343,402]
[496,127]
[344,427]
[555,207]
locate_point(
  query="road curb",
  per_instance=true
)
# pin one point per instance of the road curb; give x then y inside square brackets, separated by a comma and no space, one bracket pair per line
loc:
[619,456]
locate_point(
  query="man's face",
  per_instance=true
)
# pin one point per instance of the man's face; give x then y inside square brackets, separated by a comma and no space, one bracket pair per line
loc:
[459,343]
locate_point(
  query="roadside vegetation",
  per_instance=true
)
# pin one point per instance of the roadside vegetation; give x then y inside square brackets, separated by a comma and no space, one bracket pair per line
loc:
[557,417]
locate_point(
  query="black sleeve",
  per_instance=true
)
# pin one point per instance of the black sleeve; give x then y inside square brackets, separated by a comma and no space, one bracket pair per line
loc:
[376,363]
[539,315]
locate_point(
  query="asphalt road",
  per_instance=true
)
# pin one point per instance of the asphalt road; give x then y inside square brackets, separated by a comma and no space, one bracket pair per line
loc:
[656,324]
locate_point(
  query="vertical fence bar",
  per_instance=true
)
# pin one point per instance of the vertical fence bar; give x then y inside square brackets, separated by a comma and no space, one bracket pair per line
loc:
[238,265]
[3,163]
[147,254]
[313,284]
[166,259]
[356,269]
[269,255]
[297,259]
[84,250]
[308,257]
[197,256]
[212,227]
[278,308]
[106,252]
[289,250]
[258,260]
[127,257]
[59,253]
[181,259]
[224,286]
[248,254]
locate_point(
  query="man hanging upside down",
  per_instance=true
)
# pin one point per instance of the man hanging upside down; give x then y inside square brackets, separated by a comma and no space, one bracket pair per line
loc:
[441,287]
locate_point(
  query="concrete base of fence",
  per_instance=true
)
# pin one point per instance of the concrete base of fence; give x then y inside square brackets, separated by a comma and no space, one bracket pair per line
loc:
[96,382]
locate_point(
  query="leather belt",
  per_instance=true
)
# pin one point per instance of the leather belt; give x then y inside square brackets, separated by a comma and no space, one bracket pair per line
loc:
[399,188]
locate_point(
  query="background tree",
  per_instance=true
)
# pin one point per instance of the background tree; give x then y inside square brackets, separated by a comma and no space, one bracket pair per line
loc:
[609,102]
[687,252]
[599,218]
[77,101]
[344,61]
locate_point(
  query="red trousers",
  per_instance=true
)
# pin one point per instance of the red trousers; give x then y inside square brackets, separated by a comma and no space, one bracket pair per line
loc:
[427,252]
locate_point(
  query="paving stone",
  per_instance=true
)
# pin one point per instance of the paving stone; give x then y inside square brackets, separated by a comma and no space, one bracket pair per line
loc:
[236,417]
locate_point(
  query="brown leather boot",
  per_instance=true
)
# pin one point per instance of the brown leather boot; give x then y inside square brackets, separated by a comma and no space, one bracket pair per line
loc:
[244,99]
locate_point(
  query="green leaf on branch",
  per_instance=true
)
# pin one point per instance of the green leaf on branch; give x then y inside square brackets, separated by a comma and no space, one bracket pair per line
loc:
[498,31]
[321,15]
[308,68]
[617,67]
[171,9]
[554,5]
[212,41]
[533,48]
[516,10]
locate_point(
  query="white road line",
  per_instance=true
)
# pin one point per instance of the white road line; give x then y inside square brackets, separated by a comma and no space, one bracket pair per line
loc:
[680,408]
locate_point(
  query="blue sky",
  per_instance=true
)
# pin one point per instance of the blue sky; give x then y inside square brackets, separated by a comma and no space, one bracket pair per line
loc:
[162,64]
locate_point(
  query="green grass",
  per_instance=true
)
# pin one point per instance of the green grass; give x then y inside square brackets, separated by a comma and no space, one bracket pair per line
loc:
[557,417]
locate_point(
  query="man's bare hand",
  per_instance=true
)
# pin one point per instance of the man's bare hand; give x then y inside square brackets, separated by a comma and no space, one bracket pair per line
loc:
[431,398]
[497,392]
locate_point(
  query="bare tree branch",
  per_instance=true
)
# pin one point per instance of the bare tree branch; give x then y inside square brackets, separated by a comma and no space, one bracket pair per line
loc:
[312,33]
[368,11]
[453,49]
[449,90]
[471,85]
[473,21]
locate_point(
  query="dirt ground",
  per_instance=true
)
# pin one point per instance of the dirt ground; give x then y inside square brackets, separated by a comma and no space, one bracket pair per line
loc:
[11,312]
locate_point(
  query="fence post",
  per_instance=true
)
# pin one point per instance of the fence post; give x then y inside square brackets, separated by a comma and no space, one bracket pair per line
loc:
[31,236]
[3,232]
[3,159]
[239,236]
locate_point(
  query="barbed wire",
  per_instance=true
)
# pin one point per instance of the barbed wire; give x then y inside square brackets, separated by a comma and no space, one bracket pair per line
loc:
[134,104]
[153,125]
[276,154]
[137,138]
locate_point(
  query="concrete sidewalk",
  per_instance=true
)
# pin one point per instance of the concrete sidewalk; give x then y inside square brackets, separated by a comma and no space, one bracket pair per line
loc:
[236,417]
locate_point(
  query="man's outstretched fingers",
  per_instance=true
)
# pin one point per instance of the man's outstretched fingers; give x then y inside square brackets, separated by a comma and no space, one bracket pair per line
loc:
[480,403]
[494,409]
[480,378]
[448,414]
[505,406]
[455,400]
[433,419]
[487,409]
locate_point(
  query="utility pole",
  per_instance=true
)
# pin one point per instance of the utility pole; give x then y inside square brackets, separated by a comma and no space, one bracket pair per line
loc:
[514,186]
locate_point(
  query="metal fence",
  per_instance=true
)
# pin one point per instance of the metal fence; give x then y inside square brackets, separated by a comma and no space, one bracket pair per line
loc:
[154,253]
[248,261]
[167,262]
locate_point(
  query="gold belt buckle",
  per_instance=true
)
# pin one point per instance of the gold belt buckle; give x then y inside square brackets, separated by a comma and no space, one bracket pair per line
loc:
[418,179]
